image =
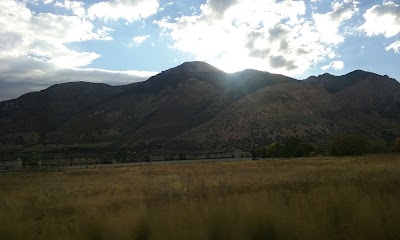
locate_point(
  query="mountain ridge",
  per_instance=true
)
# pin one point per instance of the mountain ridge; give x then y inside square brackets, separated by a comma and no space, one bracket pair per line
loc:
[197,106]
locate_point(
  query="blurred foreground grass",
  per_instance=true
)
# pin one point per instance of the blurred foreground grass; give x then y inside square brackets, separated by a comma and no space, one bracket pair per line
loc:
[317,198]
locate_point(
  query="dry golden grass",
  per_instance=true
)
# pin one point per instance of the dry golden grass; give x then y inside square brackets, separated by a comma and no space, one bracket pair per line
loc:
[317,198]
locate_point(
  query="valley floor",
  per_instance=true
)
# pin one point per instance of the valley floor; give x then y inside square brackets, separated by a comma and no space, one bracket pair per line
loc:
[315,198]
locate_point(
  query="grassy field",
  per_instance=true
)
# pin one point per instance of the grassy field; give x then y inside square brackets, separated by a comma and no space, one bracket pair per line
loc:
[316,198]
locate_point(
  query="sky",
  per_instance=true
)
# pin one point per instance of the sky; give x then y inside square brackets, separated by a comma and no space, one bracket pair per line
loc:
[44,42]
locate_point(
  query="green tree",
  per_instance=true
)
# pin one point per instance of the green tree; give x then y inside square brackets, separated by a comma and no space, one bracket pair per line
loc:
[294,147]
[291,145]
[263,152]
[353,144]
[275,150]
[377,147]
[397,145]
[304,150]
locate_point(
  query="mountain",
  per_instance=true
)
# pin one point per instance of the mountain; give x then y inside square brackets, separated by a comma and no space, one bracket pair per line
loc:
[314,109]
[196,106]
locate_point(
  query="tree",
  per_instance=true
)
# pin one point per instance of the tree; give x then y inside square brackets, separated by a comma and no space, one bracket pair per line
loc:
[343,145]
[294,147]
[377,147]
[291,145]
[397,145]
[255,153]
[275,150]
[304,150]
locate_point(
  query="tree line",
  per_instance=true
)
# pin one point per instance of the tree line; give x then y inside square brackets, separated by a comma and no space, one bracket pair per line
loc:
[339,145]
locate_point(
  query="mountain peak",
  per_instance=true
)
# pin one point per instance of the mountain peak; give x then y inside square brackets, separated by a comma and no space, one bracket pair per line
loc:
[196,67]
[197,106]
[185,71]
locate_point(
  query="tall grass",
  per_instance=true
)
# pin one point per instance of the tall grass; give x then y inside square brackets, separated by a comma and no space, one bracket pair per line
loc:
[319,198]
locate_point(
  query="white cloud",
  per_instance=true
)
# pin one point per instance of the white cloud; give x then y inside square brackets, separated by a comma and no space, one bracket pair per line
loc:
[336,65]
[21,75]
[260,34]
[328,24]
[138,40]
[130,10]
[43,37]
[34,50]
[22,69]
[75,6]
[394,46]
[384,19]
[103,33]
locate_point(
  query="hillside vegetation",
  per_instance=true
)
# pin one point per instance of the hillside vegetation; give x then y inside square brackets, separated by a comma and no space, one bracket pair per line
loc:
[197,107]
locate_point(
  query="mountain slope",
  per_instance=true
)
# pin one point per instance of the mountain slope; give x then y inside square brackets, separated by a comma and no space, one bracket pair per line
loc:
[358,102]
[34,114]
[169,104]
[157,110]
[196,106]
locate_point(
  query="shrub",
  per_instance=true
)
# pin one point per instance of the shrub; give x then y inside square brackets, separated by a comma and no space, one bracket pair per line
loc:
[377,147]
[304,150]
[292,147]
[396,146]
[343,145]
[275,150]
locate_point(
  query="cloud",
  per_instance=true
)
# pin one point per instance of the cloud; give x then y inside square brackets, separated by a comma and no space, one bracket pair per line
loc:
[138,40]
[43,37]
[384,19]
[11,90]
[267,35]
[394,46]
[336,65]
[130,10]
[219,7]
[280,61]
[75,6]
[35,53]
[328,24]
[21,75]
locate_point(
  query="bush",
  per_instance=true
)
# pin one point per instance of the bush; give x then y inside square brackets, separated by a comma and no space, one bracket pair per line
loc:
[377,147]
[304,150]
[275,150]
[292,147]
[343,145]
[396,147]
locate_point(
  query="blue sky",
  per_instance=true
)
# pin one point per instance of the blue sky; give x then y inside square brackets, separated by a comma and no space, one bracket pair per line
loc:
[43,42]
